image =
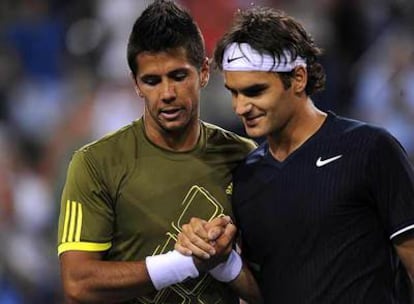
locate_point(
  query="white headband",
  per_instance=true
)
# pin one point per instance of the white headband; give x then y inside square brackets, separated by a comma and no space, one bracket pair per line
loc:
[242,57]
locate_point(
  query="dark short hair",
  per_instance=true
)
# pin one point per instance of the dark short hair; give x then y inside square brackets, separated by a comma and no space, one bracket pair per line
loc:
[164,26]
[271,31]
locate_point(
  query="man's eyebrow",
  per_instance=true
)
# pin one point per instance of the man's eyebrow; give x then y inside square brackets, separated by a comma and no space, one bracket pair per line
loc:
[147,75]
[179,70]
[253,87]
[256,87]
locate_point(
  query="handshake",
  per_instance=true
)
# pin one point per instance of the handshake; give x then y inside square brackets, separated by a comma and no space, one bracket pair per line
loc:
[201,247]
[209,243]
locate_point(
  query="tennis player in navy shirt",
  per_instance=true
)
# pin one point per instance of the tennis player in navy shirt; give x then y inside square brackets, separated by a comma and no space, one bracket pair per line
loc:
[325,206]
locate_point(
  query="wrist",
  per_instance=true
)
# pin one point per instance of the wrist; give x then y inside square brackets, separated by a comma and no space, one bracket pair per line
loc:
[170,268]
[228,270]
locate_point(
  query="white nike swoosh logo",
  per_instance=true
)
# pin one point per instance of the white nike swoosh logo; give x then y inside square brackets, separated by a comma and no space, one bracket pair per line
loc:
[320,162]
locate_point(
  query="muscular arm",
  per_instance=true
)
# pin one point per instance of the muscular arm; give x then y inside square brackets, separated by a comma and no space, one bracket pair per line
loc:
[246,287]
[86,278]
[210,243]
[405,250]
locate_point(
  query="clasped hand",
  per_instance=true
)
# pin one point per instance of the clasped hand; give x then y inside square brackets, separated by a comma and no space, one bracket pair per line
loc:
[210,243]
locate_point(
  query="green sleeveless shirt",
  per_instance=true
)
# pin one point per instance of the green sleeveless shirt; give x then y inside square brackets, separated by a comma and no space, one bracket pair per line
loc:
[128,197]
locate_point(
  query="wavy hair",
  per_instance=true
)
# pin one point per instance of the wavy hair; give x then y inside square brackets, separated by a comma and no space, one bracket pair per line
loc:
[271,31]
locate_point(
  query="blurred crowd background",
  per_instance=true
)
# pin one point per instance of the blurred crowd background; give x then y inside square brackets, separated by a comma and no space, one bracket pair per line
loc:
[64,81]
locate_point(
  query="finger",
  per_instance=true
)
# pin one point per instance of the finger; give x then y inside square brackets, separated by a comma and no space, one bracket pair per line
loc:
[219,221]
[216,227]
[225,241]
[196,227]
[186,247]
[199,246]
[230,230]
[183,250]
[183,245]
[214,233]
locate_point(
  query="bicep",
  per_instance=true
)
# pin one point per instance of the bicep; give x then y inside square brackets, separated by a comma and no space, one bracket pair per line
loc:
[405,250]
[72,264]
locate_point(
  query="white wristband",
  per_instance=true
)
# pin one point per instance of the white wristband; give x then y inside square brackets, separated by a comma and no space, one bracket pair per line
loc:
[229,270]
[170,268]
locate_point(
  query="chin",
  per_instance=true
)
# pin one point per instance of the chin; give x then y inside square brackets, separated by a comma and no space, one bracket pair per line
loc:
[254,132]
[175,126]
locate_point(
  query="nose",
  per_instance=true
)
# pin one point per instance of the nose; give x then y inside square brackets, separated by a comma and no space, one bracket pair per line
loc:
[168,93]
[241,105]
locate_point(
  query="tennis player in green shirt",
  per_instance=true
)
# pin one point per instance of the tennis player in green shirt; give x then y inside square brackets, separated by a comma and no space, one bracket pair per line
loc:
[128,194]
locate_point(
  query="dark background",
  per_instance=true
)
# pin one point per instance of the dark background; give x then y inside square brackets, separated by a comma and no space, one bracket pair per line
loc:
[64,81]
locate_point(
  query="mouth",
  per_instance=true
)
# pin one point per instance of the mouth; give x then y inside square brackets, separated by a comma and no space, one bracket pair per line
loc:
[252,121]
[170,113]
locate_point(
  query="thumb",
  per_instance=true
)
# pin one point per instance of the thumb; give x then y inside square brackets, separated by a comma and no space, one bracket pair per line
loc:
[215,232]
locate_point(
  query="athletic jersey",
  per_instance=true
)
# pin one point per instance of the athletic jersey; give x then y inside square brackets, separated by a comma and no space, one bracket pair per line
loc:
[128,197]
[319,227]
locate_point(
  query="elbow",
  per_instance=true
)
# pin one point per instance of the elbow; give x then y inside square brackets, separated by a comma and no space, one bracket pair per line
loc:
[75,292]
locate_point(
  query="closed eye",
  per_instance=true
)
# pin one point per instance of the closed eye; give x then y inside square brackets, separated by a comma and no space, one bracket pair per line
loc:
[254,91]
[178,75]
[151,80]
[175,75]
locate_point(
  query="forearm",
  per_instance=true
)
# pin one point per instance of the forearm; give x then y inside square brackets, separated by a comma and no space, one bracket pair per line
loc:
[246,287]
[405,250]
[103,281]
[87,278]
[236,273]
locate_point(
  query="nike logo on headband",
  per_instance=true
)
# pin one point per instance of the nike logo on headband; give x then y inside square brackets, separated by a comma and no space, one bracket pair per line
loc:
[233,59]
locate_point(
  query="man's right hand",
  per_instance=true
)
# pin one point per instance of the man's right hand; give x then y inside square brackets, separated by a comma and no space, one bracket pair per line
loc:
[210,242]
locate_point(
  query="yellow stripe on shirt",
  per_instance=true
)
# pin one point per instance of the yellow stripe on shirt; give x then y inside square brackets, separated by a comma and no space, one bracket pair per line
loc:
[72,221]
[83,246]
[79,223]
[66,223]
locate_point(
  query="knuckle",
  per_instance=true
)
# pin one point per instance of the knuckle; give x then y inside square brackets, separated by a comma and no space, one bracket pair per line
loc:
[197,229]
[193,239]
[179,238]
[193,221]
[186,230]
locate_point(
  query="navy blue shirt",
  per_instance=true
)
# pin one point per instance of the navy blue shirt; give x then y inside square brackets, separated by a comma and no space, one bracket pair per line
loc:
[319,226]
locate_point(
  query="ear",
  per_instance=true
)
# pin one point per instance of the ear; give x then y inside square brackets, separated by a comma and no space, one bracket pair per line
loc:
[138,90]
[300,80]
[136,86]
[204,72]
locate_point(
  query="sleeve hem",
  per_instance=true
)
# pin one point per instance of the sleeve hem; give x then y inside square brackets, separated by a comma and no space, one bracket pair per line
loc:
[400,231]
[83,246]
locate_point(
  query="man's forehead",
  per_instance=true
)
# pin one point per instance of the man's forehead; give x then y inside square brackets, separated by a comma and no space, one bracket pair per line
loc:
[245,79]
[161,62]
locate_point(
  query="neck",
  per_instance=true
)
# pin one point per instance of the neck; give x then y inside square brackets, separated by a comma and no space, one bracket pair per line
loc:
[299,128]
[180,140]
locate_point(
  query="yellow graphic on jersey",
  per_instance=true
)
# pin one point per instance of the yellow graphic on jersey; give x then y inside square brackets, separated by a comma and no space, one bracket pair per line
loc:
[229,190]
[197,203]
